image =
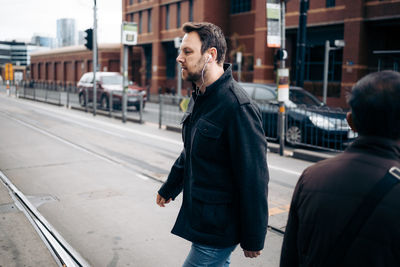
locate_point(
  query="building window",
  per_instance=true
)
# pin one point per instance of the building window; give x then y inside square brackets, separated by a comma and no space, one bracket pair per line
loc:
[314,64]
[131,17]
[330,3]
[167,17]
[170,59]
[130,2]
[140,22]
[190,10]
[178,15]
[239,6]
[149,21]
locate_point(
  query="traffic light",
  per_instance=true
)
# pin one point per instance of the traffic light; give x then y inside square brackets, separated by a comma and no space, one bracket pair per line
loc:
[89,39]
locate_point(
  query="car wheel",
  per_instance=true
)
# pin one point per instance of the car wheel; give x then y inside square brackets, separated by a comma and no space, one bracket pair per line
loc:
[293,134]
[82,100]
[104,102]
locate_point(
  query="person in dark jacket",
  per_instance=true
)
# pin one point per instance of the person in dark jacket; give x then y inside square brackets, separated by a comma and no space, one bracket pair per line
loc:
[222,169]
[329,193]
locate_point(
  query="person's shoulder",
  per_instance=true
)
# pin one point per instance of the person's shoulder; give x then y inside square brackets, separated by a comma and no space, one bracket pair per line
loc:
[238,93]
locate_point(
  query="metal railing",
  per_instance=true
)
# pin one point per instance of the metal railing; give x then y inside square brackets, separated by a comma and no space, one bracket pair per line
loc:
[317,127]
[69,95]
[170,112]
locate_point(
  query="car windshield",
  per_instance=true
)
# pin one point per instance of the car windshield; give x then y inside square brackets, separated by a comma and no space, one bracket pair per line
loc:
[114,79]
[300,97]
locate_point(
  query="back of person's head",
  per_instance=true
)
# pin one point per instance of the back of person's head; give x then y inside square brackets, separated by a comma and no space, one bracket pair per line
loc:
[375,105]
[210,36]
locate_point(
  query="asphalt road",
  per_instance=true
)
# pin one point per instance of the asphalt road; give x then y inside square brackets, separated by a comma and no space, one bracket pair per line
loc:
[99,179]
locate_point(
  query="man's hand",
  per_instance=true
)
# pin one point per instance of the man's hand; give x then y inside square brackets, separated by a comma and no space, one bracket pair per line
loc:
[161,201]
[251,254]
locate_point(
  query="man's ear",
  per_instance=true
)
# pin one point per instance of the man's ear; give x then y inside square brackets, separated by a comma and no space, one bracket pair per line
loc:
[349,118]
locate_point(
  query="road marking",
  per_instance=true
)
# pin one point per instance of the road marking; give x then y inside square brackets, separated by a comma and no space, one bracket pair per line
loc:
[278,210]
[142,176]
[284,170]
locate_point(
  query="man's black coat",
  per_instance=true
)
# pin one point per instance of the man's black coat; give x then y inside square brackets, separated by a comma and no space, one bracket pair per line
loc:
[222,169]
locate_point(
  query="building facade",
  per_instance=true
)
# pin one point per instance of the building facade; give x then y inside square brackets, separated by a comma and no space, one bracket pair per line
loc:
[19,55]
[368,28]
[67,64]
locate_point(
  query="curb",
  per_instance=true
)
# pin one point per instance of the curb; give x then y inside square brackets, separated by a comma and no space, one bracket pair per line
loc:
[312,156]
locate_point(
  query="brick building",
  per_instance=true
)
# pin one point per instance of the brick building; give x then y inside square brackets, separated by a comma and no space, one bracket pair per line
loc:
[368,27]
[67,64]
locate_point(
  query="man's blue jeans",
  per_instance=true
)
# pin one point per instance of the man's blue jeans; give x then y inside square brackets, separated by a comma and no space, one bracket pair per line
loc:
[206,256]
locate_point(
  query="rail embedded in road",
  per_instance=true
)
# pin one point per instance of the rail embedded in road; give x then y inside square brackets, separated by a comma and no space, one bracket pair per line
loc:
[64,254]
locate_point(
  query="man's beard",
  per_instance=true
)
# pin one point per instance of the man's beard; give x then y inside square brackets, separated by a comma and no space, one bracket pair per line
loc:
[193,77]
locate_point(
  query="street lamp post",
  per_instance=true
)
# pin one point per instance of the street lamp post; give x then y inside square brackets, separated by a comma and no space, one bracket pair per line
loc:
[338,45]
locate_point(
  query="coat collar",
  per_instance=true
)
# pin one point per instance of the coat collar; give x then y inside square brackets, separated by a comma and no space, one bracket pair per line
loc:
[221,80]
[375,145]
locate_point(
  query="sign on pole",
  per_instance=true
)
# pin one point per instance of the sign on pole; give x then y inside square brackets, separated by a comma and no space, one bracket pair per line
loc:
[283,85]
[129,33]
[273,11]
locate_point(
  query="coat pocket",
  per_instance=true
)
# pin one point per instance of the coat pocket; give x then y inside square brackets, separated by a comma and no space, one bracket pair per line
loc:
[211,211]
[207,141]
[208,129]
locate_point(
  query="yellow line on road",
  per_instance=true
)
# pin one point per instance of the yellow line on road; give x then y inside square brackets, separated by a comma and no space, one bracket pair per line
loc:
[278,210]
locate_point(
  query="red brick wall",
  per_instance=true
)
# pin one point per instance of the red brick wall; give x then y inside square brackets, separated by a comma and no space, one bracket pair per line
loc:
[63,65]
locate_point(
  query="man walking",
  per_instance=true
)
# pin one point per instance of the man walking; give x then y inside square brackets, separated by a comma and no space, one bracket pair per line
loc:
[345,211]
[222,169]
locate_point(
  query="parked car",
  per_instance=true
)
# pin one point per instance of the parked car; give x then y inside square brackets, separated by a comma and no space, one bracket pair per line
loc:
[309,121]
[109,83]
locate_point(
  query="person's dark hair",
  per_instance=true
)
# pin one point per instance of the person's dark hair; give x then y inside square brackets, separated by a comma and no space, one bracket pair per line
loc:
[375,105]
[210,36]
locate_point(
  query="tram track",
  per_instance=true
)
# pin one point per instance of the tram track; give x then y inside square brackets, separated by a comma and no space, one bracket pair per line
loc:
[62,252]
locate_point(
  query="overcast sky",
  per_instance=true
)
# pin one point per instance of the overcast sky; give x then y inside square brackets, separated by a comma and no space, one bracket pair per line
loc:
[21,19]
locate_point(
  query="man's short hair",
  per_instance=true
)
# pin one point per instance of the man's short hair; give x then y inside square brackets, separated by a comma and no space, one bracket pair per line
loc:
[210,36]
[375,105]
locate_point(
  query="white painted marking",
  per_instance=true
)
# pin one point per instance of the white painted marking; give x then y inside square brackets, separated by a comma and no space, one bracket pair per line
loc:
[284,170]
[142,176]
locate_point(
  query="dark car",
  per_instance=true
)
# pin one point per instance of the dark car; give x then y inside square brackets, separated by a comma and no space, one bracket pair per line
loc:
[109,83]
[309,121]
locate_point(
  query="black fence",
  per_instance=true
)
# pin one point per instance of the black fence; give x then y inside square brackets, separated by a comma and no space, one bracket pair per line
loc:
[318,127]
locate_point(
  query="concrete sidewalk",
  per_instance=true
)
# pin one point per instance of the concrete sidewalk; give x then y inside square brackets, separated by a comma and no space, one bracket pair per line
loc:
[20,244]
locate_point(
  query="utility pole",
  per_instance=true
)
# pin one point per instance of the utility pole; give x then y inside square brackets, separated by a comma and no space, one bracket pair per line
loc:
[94,58]
[301,42]
[276,38]
[129,36]
[282,80]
